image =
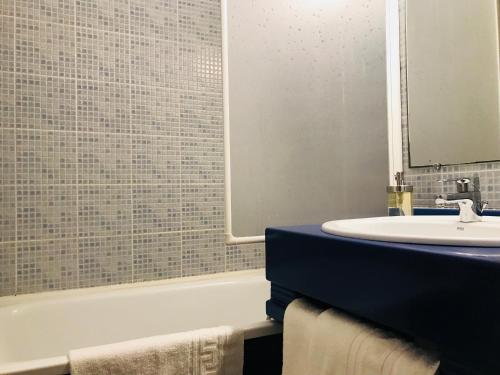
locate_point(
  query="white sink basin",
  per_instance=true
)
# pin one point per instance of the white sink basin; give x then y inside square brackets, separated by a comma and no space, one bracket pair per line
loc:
[433,230]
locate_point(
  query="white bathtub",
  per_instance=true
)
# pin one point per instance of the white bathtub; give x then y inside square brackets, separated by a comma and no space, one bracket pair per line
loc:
[37,331]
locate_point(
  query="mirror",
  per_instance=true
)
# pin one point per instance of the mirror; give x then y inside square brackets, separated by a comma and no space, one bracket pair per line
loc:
[452,49]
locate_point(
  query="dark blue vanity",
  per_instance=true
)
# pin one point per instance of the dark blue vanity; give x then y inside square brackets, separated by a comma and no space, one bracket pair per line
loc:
[444,297]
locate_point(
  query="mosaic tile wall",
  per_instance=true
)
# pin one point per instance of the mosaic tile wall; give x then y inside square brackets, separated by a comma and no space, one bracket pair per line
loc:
[426,180]
[111,144]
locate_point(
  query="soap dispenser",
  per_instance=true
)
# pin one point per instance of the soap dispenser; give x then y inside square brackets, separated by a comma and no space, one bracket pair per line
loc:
[400,197]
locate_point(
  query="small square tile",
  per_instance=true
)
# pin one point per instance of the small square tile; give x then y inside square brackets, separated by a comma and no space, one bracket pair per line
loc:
[157,208]
[201,115]
[102,55]
[7,100]
[7,7]
[155,159]
[105,261]
[103,107]
[60,11]
[7,156]
[104,210]
[157,256]
[44,102]
[141,64]
[7,213]
[165,64]
[104,158]
[245,257]
[154,18]
[200,68]
[7,269]
[154,111]
[109,15]
[203,252]
[45,157]
[7,44]
[47,265]
[149,111]
[45,48]
[202,207]
[200,22]
[46,212]
[202,160]
[153,62]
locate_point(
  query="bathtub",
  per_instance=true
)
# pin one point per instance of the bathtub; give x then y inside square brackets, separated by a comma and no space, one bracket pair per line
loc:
[37,331]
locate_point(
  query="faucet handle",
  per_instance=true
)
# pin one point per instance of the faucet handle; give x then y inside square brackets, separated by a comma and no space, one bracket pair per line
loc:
[455,179]
[462,183]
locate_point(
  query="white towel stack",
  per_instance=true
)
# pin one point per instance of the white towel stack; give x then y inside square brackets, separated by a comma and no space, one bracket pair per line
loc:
[214,351]
[327,342]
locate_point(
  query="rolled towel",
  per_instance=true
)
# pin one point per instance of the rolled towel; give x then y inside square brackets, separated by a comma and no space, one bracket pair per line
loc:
[217,351]
[328,342]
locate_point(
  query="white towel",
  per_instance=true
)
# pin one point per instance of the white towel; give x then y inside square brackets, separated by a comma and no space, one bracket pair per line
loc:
[327,342]
[213,351]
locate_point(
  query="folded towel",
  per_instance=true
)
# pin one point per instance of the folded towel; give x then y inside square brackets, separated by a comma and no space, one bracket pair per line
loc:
[214,351]
[328,342]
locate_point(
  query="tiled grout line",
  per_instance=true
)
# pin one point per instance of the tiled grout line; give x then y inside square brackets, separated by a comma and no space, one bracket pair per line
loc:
[131,154]
[225,246]
[111,184]
[160,136]
[115,83]
[214,230]
[77,169]
[16,283]
[177,55]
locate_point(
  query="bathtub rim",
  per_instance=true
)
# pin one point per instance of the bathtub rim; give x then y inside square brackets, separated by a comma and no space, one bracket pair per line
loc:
[27,298]
[60,365]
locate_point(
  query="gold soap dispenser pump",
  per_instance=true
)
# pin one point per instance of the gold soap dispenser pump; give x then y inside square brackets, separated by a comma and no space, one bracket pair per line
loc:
[400,197]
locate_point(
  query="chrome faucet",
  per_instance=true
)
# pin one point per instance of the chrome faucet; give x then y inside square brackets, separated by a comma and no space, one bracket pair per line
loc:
[469,202]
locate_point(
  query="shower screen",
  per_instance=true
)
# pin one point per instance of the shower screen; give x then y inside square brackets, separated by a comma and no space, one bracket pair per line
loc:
[306,83]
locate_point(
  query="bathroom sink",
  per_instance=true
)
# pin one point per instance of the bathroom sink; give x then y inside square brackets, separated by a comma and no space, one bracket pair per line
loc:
[433,230]
[445,296]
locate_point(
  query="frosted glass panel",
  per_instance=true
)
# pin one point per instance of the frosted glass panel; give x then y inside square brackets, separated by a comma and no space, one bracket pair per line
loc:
[308,119]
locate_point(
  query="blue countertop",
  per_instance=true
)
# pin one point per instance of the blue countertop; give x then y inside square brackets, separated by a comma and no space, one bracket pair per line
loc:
[446,296]
[469,253]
